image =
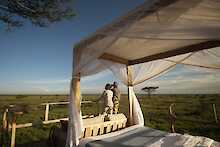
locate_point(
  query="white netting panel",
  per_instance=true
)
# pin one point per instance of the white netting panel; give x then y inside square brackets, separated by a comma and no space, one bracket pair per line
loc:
[180,20]
[207,58]
[137,115]
[178,24]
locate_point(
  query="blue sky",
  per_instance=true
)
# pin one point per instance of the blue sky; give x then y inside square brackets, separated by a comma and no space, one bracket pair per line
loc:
[38,60]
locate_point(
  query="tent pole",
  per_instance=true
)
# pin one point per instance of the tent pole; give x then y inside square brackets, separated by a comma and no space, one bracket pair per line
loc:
[75,83]
[76,79]
[129,78]
[75,99]
[77,91]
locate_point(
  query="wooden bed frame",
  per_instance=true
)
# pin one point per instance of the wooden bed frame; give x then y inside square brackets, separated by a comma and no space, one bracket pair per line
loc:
[116,122]
[93,127]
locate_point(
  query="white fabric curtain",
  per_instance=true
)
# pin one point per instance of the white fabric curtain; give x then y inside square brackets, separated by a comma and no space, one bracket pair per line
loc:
[120,71]
[137,115]
[205,59]
[208,59]
[180,24]
[75,125]
[189,20]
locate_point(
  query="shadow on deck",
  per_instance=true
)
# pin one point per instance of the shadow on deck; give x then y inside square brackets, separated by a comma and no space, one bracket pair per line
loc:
[42,143]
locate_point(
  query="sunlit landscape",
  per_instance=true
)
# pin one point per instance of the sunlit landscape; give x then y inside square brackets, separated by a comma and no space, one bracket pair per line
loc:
[194,113]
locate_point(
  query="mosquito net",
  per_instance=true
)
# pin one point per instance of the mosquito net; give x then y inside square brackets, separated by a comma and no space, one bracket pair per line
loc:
[150,40]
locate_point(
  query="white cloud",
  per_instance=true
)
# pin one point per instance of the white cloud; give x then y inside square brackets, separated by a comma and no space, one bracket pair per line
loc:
[97,76]
[181,80]
[43,89]
[55,81]
[187,82]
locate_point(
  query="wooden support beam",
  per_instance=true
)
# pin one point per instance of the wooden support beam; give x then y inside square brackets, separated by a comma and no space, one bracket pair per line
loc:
[63,103]
[13,132]
[4,120]
[129,78]
[77,91]
[4,128]
[178,51]
[76,80]
[46,116]
[114,58]
[172,118]
[215,114]
[182,50]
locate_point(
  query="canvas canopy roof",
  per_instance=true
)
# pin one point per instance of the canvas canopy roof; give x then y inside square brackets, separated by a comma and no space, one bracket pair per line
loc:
[148,41]
[157,29]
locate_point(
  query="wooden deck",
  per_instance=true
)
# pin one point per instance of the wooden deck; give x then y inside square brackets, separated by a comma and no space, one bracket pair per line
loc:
[43,143]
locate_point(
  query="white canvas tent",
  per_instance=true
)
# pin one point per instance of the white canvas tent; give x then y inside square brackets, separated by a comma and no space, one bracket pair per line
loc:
[147,42]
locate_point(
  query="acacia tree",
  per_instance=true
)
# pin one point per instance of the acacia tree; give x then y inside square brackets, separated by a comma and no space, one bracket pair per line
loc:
[149,90]
[14,13]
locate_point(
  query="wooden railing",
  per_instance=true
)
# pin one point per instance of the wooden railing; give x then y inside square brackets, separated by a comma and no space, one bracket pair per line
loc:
[47,108]
[12,126]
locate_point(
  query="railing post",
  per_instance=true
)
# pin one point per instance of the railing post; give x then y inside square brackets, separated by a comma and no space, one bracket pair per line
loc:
[13,132]
[46,112]
[172,119]
[215,114]
[4,128]
[4,120]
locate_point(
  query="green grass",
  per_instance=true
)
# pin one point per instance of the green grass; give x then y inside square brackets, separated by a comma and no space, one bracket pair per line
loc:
[194,113]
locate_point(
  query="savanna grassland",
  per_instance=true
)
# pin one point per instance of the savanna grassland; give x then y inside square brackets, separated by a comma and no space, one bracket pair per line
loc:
[194,113]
